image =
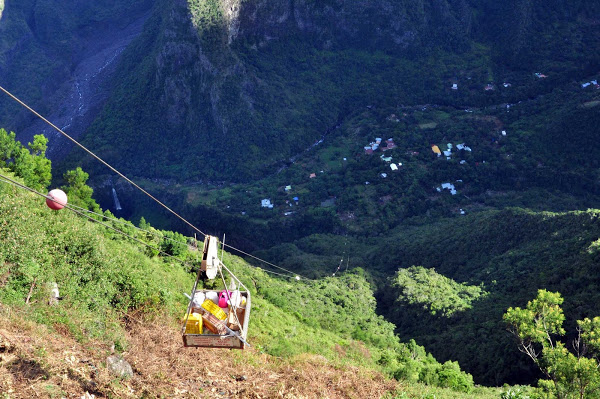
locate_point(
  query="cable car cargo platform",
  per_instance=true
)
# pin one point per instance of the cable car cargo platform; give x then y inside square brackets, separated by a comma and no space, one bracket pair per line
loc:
[230,340]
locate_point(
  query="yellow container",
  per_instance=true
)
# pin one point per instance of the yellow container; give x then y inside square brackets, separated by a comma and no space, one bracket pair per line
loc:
[194,324]
[214,309]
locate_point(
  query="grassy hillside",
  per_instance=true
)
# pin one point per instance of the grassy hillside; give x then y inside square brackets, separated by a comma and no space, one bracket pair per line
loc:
[108,282]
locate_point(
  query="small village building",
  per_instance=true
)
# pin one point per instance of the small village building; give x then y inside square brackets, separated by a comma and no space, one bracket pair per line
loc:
[312,175]
[588,84]
[393,166]
[266,203]
[489,87]
[390,145]
[384,175]
[288,188]
[463,162]
[448,153]
[436,150]
[386,159]
[504,132]
[505,84]
[454,86]
[449,186]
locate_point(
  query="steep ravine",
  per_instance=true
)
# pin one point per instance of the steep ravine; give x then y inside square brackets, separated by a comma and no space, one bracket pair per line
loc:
[86,90]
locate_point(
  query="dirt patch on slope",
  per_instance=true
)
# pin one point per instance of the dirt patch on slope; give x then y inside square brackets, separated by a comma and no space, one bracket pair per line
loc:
[36,362]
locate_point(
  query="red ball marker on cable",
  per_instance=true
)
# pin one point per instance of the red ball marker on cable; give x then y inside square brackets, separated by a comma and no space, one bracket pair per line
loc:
[57,199]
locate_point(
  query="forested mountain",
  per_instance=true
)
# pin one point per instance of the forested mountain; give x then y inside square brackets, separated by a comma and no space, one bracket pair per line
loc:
[228,90]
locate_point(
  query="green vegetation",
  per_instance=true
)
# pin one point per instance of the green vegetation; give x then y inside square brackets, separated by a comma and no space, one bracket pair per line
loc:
[78,192]
[244,116]
[102,276]
[538,328]
[100,282]
[30,164]
[433,292]
[99,278]
[512,253]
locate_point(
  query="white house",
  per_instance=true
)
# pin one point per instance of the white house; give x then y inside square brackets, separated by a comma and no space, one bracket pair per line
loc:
[504,132]
[266,203]
[454,86]
[393,166]
[449,186]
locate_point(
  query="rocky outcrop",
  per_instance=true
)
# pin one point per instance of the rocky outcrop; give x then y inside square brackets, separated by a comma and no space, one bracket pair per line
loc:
[119,367]
[383,24]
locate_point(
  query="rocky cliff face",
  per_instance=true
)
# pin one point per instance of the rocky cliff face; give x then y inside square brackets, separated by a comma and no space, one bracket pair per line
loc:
[380,24]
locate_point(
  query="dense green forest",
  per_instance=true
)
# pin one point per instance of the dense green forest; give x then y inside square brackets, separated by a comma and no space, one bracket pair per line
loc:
[495,259]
